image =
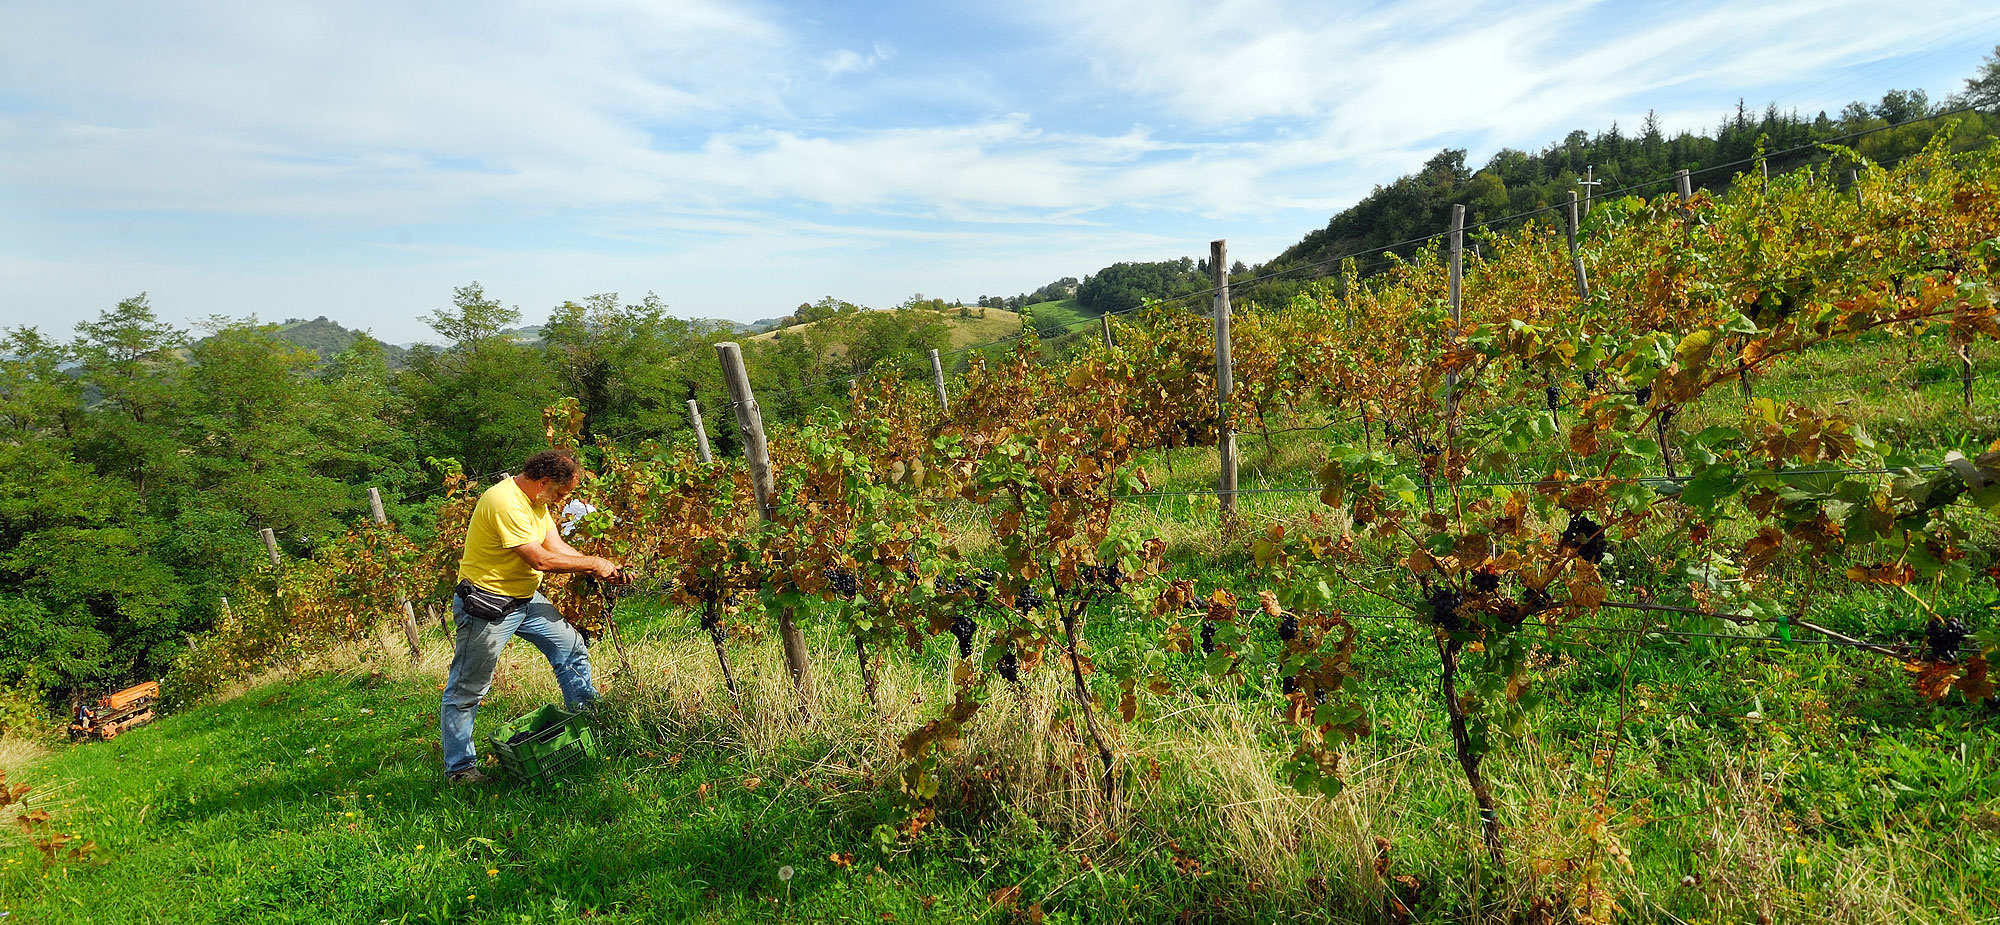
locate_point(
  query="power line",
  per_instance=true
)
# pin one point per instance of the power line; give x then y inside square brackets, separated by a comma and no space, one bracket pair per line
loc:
[1254,611]
[1655,480]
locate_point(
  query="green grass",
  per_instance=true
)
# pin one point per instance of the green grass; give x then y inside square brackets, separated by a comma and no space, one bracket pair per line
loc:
[1786,778]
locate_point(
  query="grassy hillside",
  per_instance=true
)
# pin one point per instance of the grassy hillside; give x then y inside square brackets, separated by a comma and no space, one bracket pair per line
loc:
[1767,776]
[997,324]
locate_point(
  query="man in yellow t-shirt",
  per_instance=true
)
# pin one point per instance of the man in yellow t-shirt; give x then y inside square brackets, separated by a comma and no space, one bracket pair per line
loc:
[511,542]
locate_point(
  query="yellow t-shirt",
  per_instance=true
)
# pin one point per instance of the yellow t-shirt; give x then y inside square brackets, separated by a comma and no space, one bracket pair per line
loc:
[504,519]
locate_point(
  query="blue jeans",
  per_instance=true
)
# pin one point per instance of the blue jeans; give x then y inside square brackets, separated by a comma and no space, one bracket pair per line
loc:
[477,653]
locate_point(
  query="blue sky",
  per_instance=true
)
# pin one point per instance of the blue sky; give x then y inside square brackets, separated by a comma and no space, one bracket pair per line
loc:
[358,160]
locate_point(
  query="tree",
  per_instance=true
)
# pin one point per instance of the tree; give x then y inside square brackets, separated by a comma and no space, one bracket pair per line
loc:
[1982,90]
[628,365]
[480,399]
[1122,287]
[1900,106]
[472,317]
[132,360]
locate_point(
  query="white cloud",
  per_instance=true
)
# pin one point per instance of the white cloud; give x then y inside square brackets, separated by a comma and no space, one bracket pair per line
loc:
[849,61]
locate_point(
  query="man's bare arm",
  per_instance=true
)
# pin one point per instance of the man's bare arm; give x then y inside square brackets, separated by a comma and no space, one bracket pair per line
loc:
[554,555]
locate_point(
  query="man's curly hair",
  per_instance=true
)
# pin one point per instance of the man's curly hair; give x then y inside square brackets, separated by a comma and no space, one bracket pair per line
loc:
[550,465]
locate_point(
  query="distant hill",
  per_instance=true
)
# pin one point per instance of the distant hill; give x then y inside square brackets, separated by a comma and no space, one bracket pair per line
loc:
[327,338]
[981,326]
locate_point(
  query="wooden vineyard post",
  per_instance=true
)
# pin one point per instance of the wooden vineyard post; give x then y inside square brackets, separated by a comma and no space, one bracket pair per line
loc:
[937,379]
[1854,183]
[1448,648]
[1684,186]
[700,432]
[1964,352]
[270,538]
[1576,256]
[1764,168]
[757,452]
[1106,321]
[1451,337]
[1225,430]
[1347,301]
[409,612]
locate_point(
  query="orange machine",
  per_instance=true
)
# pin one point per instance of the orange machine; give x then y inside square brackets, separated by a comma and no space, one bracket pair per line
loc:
[116,713]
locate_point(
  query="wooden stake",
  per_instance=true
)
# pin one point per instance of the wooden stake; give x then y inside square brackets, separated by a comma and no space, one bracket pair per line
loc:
[700,432]
[1451,337]
[409,612]
[271,545]
[757,452]
[1684,185]
[937,379]
[1106,320]
[1764,167]
[1964,352]
[1854,183]
[1576,256]
[1225,432]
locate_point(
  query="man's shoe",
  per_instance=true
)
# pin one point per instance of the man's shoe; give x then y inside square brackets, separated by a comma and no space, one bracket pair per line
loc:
[467,776]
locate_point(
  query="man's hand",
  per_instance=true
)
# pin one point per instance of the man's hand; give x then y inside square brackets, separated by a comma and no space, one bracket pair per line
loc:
[608,570]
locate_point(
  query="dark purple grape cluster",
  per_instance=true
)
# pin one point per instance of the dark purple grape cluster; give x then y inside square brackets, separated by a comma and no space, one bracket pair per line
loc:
[1208,637]
[1552,397]
[1590,380]
[1944,636]
[1536,600]
[711,620]
[979,582]
[1644,394]
[964,628]
[1027,600]
[1009,667]
[1096,580]
[1485,582]
[1290,684]
[1586,537]
[1288,627]
[1444,602]
[842,582]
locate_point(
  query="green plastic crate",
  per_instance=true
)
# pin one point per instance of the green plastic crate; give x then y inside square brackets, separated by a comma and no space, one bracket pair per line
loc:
[539,747]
